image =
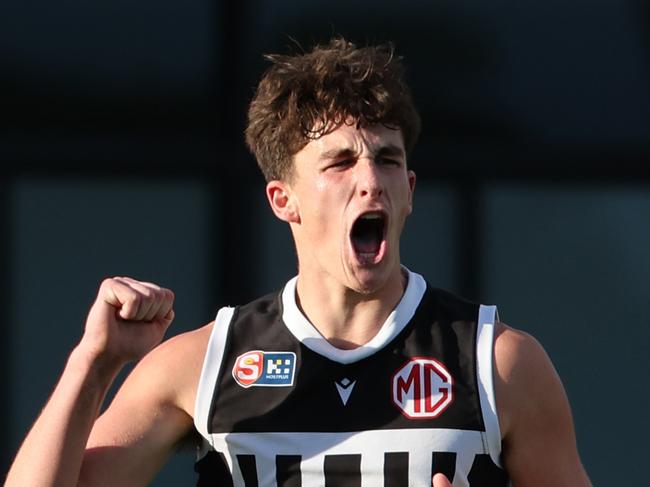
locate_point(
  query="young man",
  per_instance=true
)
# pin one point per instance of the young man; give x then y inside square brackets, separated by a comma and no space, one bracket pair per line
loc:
[356,373]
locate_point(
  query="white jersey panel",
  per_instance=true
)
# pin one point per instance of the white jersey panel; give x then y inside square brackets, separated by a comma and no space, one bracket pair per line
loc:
[371,445]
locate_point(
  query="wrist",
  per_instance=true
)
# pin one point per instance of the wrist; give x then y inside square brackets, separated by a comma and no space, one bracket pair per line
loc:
[97,365]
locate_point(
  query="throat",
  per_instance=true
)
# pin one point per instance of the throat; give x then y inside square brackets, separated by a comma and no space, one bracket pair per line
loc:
[355,329]
[347,320]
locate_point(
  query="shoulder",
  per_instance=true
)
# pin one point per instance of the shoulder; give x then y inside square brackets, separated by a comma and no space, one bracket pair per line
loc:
[523,371]
[534,414]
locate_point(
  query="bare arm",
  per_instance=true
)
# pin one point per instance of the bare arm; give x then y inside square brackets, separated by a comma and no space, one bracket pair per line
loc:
[539,444]
[127,320]
[150,415]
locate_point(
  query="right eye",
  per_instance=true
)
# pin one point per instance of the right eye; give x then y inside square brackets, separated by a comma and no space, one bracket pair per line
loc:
[341,164]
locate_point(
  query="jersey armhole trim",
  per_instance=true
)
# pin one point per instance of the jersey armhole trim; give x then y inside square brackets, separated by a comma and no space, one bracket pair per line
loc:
[210,372]
[487,317]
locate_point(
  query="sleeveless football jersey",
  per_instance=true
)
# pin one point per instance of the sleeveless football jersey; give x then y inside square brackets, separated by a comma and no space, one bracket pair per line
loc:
[278,405]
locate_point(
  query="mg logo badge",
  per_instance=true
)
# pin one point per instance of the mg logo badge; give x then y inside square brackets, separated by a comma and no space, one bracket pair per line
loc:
[422,388]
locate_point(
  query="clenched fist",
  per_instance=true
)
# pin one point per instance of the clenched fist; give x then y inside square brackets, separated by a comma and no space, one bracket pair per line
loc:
[127,320]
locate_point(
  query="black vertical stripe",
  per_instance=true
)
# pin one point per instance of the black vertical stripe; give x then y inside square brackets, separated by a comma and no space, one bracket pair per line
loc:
[213,470]
[287,470]
[396,469]
[248,469]
[484,473]
[342,470]
[444,462]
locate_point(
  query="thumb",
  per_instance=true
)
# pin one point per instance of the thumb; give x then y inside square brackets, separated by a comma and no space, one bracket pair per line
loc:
[118,295]
[439,480]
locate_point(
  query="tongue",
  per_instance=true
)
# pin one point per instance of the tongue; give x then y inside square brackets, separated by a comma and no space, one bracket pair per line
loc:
[366,244]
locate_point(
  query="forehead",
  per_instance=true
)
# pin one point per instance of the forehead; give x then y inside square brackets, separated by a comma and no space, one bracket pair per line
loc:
[358,140]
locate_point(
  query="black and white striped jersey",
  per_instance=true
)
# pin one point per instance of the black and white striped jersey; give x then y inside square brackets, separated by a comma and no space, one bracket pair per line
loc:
[278,405]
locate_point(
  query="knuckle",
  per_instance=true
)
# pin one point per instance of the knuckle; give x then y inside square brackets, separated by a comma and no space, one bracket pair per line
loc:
[107,282]
[152,285]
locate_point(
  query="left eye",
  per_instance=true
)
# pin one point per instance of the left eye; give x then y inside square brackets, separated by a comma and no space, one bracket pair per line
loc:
[386,160]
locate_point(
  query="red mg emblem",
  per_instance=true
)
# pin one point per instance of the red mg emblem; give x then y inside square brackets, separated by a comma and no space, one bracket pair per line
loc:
[248,368]
[422,388]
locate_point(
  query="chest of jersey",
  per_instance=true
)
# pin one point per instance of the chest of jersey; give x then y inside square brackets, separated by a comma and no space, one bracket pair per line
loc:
[283,414]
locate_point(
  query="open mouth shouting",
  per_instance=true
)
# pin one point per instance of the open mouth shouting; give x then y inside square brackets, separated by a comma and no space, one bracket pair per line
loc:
[368,237]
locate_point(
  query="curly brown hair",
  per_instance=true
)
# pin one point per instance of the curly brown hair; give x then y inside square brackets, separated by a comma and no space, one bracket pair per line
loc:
[302,97]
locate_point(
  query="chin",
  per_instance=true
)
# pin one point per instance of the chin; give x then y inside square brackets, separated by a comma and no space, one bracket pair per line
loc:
[369,281]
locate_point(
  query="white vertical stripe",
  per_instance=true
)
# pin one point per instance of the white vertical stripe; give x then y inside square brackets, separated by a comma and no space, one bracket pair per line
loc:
[312,469]
[420,467]
[372,469]
[371,445]
[484,364]
[237,475]
[463,466]
[210,372]
[266,474]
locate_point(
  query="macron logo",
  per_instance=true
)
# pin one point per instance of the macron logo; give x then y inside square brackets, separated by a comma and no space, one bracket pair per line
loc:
[344,387]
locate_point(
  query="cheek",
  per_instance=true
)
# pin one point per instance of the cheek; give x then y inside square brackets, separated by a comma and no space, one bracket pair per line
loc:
[321,185]
[329,190]
[404,203]
[326,216]
[323,209]
[327,197]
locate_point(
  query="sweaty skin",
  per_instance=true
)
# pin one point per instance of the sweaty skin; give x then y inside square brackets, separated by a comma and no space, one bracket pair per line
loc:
[126,321]
[336,179]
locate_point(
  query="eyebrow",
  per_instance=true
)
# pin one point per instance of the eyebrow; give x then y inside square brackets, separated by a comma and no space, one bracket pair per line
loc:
[391,150]
[386,150]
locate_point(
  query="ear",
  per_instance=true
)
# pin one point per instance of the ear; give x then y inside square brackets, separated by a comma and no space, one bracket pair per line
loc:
[411,178]
[282,201]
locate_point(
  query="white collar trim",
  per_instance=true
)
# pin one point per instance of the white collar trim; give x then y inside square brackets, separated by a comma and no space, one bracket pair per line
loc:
[305,332]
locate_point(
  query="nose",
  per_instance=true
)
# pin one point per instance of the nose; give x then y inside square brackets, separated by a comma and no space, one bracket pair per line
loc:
[369,183]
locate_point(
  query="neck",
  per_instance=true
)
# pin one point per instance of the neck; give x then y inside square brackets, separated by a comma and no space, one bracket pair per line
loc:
[348,319]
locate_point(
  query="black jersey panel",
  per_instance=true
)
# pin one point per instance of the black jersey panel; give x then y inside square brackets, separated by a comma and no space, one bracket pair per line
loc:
[213,470]
[445,463]
[404,412]
[287,468]
[396,469]
[485,473]
[314,402]
[342,471]
[248,469]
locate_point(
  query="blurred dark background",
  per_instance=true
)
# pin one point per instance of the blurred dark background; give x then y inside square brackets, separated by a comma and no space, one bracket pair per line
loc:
[122,154]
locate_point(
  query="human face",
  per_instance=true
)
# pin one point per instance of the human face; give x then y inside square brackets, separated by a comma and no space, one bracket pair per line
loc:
[351,192]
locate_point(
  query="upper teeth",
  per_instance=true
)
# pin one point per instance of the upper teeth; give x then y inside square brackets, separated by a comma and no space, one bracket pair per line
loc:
[371,216]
